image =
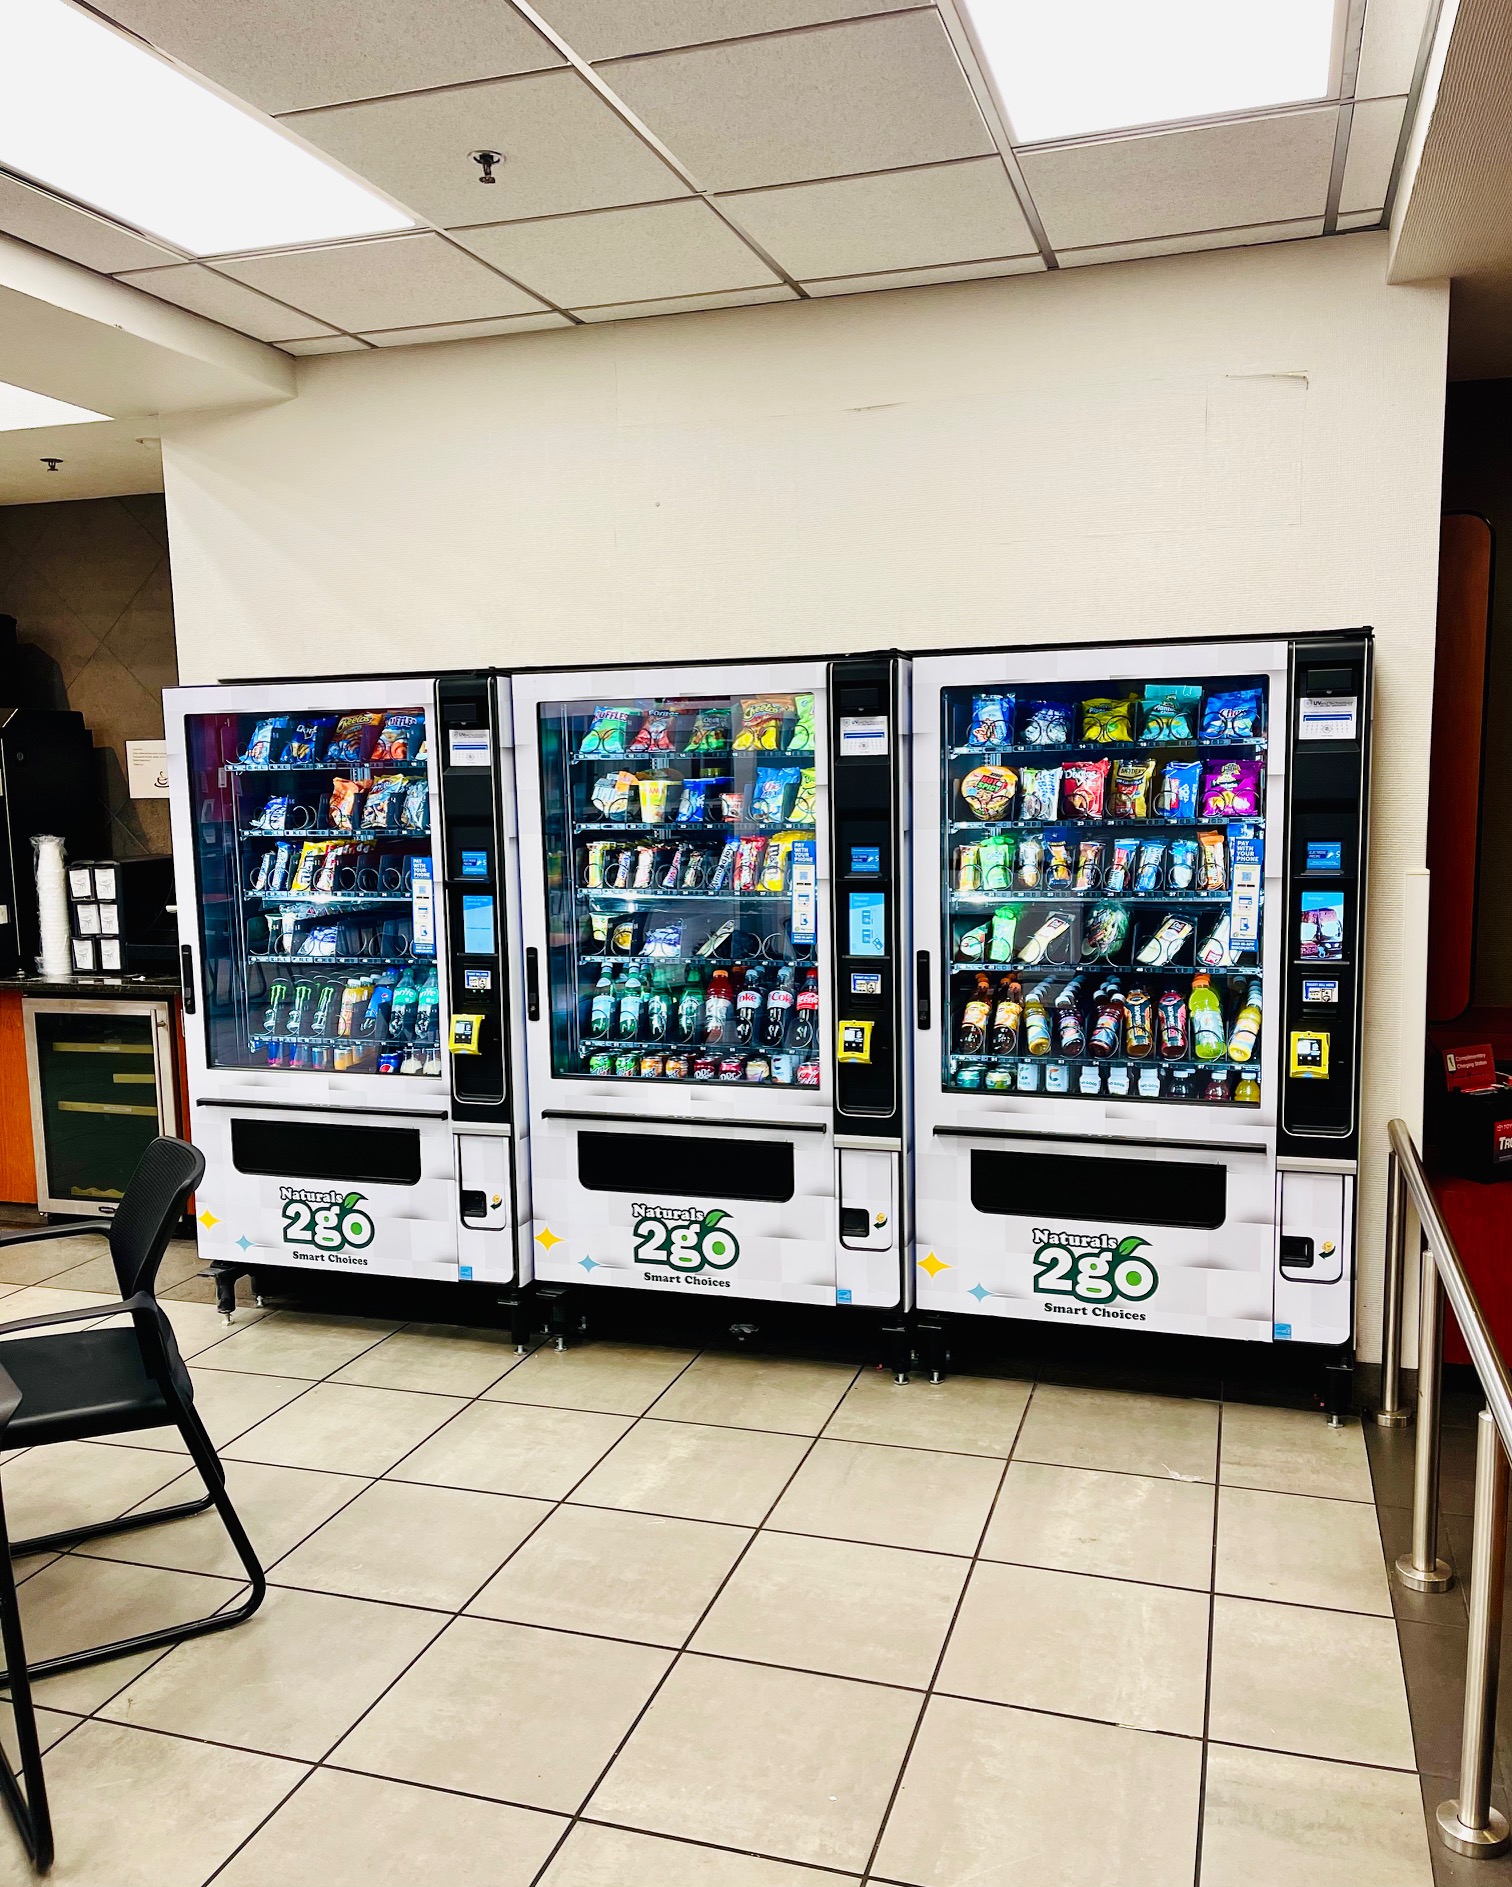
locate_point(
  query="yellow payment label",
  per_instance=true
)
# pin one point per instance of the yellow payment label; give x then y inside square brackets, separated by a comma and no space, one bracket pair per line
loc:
[1309,1054]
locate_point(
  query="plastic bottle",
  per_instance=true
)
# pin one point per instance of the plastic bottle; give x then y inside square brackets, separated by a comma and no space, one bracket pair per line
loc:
[1208,1040]
[971,1029]
[1248,1088]
[779,1008]
[632,1003]
[1007,1017]
[427,1007]
[1217,1087]
[1139,1023]
[374,1024]
[1036,1022]
[806,1011]
[1107,1027]
[690,1007]
[1070,1023]
[748,1007]
[1246,1030]
[658,1015]
[354,996]
[401,1009]
[600,1007]
[1173,1033]
[719,1008]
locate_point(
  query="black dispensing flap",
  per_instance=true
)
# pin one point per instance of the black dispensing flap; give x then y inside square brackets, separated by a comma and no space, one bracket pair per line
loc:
[303,1149]
[1099,1190]
[687,1168]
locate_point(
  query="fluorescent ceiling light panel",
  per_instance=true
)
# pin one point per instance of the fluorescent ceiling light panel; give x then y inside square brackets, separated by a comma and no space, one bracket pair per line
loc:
[1064,68]
[105,120]
[21,409]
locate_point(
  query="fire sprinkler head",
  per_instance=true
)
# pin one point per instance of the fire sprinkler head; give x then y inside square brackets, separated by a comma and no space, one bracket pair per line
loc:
[487,161]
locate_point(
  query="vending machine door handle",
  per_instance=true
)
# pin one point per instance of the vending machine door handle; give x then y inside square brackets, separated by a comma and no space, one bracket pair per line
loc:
[186,978]
[921,988]
[533,983]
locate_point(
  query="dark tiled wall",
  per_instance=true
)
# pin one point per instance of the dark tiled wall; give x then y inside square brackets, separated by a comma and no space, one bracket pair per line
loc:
[89,587]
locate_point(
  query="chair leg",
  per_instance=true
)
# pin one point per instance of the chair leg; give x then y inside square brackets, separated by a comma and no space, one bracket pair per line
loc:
[71,1536]
[202,1453]
[28,1809]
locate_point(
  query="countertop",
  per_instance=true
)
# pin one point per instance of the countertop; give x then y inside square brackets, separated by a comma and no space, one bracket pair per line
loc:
[94,988]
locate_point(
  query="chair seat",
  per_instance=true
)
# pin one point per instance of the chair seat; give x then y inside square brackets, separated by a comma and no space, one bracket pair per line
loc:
[78,1383]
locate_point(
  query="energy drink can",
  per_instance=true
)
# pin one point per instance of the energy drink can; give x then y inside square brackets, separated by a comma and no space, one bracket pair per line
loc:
[998,1079]
[968,1074]
[705,1067]
[730,1068]
[275,1054]
[626,1065]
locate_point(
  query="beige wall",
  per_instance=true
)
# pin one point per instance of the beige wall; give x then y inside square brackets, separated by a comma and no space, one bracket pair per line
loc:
[88,584]
[1241,441]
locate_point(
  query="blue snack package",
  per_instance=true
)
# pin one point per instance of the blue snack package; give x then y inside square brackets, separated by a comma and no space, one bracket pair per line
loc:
[1169,711]
[403,731]
[355,736]
[414,814]
[385,799]
[1180,782]
[1235,715]
[320,941]
[274,816]
[265,737]
[1048,725]
[693,806]
[305,740]
[991,720]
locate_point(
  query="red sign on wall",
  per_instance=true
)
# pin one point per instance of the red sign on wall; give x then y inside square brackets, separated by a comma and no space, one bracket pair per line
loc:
[1473,1067]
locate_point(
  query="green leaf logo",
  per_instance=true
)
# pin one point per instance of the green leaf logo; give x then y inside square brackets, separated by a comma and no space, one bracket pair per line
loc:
[350,1201]
[1128,1246]
[714,1216]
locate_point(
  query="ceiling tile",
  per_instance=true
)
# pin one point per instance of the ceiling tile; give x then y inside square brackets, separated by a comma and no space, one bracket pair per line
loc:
[877,94]
[464,330]
[1360,219]
[203,292]
[336,344]
[37,218]
[687,304]
[1372,153]
[897,219]
[925,278]
[564,150]
[654,252]
[283,55]
[1260,170]
[394,282]
[1246,238]
[1389,46]
[607,29]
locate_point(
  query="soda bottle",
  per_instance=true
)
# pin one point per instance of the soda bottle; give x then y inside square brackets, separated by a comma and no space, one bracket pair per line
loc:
[658,1015]
[971,1030]
[354,996]
[1070,1023]
[719,1008]
[1248,1088]
[1172,1025]
[779,1007]
[1246,1032]
[1007,1017]
[690,1006]
[806,1012]
[1139,1024]
[748,1007]
[632,1002]
[374,1024]
[1107,1029]
[401,1009]
[1208,1039]
[1217,1087]
[427,1007]
[600,1008]
[1036,1022]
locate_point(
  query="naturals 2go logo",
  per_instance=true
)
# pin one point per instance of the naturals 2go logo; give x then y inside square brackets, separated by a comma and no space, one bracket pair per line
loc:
[687,1239]
[1096,1269]
[330,1221]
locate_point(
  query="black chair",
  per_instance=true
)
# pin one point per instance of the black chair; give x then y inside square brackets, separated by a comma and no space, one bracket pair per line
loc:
[77,1384]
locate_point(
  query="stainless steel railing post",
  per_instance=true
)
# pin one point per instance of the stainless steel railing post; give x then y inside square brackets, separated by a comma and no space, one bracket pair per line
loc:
[1470,1825]
[1422,1569]
[1391,1414]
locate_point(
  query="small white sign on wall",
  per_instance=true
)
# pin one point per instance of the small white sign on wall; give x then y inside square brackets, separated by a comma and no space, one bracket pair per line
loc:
[147,769]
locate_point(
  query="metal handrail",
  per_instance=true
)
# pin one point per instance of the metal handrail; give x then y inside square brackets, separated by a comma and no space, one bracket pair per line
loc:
[1468,1824]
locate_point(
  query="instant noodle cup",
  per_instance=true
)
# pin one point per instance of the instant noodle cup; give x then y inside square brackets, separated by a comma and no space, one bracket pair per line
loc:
[1041,797]
[1180,782]
[344,805]
[606,733]
[403,731]
[801,740]
[1084,788]
[989,791]
[991,721]
[1105,721]
[1212,862]
[655,791]
[611,794]
[355,737]
[761,719]
[654,734]
[1234,715]
[1048,724]
[1231,789]
[1129,797]
[711,731]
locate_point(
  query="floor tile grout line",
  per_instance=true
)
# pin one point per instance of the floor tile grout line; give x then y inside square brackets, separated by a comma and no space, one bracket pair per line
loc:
[1207,1681]
[679,1652]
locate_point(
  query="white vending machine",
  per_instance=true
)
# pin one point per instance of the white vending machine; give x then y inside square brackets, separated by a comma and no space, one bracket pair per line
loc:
[345,856]
[1139,878]
[712,919]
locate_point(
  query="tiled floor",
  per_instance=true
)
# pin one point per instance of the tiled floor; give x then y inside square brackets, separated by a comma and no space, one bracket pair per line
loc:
[630,1617]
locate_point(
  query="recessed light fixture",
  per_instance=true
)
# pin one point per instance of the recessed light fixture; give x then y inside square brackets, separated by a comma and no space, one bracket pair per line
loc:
[20,408]
[103,119]
[1064,68]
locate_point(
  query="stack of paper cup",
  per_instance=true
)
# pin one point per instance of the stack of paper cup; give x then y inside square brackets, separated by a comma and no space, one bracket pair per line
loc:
[52,906]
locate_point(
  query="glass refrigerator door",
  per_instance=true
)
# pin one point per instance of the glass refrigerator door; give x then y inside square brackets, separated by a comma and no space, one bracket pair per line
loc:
[680,832]
[316,891]
[1104,882]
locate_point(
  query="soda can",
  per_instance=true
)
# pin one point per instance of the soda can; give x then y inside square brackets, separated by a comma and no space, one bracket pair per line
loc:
[784,1067]
[626,1065]
[390,1060]
[968,1074]
[758,1068]
[730,1068]
[998,1079]
[601,1062]
[808,1074]
[705,1067]
[1057,1078]
[651,1067]
[675,1067]
[1028,1077]
[320,1056]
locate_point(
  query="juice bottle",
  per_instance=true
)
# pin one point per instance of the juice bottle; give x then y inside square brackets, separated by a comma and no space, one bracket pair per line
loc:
[1208,1040]
[600,1008]
[632,1002]
[806,1012]
[1248,1088]
[1070,1023]
[971,1030]
[1036,1022]
[1139,1023]
[779,1007]
[719,1007]
[354,998]
[1006,1018]
[1107,1028]
[1217,1087]
[1246,1031]
[1172,1025]
[690,1007]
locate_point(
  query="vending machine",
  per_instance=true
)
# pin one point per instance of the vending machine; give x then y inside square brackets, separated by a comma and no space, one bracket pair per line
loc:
[715,950]
[345,856]
[1139,881]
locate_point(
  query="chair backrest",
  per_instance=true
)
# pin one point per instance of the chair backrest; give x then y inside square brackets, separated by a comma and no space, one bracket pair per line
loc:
[150,1209]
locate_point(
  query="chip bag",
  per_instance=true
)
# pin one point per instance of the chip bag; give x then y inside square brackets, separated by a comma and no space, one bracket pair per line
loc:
[384,801]
[1084,786]
[1041,798]
[801,740]
[1105,720]
[414,812]
[1048,725]
[403,731]
[761,719]
[655,732]
[991,721]
[1170,711]
[989,791]
[1235,715]
[355,737]
[606,733]
[305,740]
[1231,789]
[1059,866]
[345,803]
[805,805]
[693,805]
[773,785]
[1130,795]
[612,794]
[711,731]
[265,736]
[1212,862]
[1180,781]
